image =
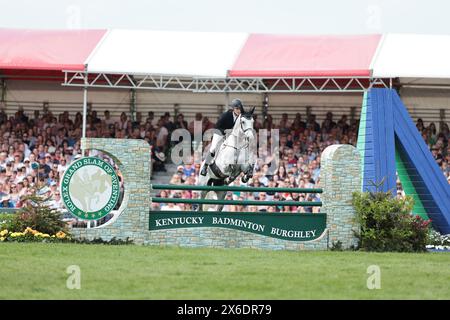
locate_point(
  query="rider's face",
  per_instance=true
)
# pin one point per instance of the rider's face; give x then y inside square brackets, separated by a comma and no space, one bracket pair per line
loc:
[237,111]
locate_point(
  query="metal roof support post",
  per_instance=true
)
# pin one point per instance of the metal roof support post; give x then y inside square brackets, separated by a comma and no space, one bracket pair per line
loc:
[85,91]
[442,119]
[176,111]
[3,86]
[265,109]
[220,109]
[133,104]
[352,113]
[227,94]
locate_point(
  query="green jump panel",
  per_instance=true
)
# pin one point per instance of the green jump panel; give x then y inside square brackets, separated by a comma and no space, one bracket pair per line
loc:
[293,227]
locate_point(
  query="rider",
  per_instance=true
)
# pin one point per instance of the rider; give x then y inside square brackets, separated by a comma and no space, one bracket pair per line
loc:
[225,122]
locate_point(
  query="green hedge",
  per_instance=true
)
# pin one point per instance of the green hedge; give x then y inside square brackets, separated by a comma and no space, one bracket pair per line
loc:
[386,223]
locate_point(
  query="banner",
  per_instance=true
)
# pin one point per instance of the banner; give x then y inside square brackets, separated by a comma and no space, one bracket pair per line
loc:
[286,226]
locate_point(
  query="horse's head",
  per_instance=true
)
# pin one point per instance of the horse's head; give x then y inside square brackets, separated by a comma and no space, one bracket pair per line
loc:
[246,122]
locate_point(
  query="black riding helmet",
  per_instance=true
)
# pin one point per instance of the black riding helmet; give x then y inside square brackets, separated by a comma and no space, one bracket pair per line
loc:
[236,103]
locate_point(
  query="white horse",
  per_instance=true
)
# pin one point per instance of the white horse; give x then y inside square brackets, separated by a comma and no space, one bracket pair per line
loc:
[236,155]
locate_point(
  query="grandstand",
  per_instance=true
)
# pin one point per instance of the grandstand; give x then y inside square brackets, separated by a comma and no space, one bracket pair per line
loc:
[116,70]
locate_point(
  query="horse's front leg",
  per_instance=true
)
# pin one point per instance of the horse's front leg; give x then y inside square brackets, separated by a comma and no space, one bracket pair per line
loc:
[229,180]
[248,172]
[234,174]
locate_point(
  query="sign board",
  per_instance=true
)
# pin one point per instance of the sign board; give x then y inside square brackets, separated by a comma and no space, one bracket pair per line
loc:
[90,188]
[286,226]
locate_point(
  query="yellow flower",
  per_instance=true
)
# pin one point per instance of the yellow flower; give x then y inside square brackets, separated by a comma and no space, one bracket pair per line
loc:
[3,233]
[2,239]
[16,234]
[29,230]
[42,235]
[60,235]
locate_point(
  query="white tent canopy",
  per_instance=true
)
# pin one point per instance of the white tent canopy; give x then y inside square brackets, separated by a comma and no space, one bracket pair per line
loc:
[183,54]
[413,56]
[47,54]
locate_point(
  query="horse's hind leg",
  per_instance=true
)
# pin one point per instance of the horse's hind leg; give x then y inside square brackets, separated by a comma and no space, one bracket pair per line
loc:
[202,181]
[220,196]
[202,196]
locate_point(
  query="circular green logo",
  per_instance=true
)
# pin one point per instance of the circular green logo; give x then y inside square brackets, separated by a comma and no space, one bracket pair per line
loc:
[90,188]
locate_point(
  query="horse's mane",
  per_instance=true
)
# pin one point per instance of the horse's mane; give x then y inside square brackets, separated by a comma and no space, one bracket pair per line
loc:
[247,115]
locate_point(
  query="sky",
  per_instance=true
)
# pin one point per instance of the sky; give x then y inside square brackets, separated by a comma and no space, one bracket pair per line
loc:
[257,16]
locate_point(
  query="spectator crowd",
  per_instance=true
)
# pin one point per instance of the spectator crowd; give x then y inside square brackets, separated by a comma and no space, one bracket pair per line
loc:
[301,145]
[35,150]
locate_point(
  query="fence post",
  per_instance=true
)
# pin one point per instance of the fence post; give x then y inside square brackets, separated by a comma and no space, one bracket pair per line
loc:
[340,177]
[352,113]
[3,90]
[441,119]
[133,158]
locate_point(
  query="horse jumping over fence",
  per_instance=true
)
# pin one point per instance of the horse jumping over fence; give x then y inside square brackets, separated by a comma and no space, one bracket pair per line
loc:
[236,155]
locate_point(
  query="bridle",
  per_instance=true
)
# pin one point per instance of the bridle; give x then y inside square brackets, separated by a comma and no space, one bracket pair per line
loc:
[244,131]
[242,128]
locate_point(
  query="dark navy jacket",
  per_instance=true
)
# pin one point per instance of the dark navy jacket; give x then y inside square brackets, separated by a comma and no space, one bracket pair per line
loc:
[225,121]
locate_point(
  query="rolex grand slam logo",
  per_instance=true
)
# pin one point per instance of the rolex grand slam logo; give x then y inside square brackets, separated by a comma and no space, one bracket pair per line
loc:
[90,188]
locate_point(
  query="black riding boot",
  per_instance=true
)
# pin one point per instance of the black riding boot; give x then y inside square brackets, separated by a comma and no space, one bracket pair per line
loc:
[208,161]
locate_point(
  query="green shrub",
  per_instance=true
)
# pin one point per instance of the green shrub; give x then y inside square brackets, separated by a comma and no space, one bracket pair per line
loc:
[336,246]
[113,241]
[38,215]
[6,220]
[387,225]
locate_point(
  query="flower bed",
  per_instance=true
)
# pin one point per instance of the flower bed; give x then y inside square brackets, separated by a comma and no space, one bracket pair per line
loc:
[31,235]
[438,242]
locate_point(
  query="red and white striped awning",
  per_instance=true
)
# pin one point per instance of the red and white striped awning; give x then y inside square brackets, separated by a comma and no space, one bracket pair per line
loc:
[222,55]
[305,56]
[49,50]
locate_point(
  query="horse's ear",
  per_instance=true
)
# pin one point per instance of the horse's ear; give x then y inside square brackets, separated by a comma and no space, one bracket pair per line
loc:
[253,109]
